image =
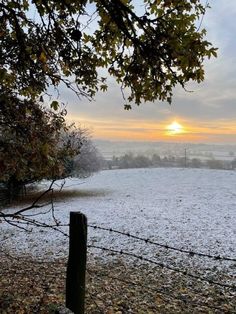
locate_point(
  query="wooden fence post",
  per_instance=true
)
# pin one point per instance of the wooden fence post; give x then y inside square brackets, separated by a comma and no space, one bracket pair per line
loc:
[76,267]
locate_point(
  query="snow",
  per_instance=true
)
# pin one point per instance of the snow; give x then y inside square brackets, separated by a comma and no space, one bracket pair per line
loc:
[187,208]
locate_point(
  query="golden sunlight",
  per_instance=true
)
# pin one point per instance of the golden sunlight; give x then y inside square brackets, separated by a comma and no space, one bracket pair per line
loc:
[174,128]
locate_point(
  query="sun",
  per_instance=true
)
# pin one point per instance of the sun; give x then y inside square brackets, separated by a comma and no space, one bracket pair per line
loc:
[174,128]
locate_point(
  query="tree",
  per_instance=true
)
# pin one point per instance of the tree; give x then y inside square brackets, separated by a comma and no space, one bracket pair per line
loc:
[196,163]
[141,161]
[126,161]
[148,53]
[31,145]
[36,144]
[88,160]
[215,164]
[233,163]
[156,160]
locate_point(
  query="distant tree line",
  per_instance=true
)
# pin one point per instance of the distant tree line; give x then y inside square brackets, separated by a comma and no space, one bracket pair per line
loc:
[130,160]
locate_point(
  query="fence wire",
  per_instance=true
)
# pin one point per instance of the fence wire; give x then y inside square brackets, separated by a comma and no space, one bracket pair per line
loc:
[183,272]
[165,246]
[162,265]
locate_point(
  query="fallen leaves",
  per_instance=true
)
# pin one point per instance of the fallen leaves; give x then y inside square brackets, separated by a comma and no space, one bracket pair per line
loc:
[116,287]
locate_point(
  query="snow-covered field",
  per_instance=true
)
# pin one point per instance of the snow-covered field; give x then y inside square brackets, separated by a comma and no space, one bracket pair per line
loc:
[187,208]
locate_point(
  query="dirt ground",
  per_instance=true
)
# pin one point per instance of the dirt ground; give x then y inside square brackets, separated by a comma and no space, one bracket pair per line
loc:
[30,286]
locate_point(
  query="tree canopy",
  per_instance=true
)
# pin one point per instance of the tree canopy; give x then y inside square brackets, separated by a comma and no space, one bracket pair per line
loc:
[148,51]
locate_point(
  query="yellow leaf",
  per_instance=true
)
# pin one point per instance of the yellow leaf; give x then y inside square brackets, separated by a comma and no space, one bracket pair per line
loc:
[43,57]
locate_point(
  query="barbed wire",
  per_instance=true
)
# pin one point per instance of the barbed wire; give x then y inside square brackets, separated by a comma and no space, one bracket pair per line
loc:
[191,253]
[165,246]
[28,221]
[160,291]
[162,265]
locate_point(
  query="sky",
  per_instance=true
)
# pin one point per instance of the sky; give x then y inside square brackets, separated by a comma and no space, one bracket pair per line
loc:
[207,115]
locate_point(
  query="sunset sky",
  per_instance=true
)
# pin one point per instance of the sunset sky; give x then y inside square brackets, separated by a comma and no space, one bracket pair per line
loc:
[208,115]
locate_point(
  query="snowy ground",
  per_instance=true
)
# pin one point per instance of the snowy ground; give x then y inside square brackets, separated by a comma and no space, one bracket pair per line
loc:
[186,208]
